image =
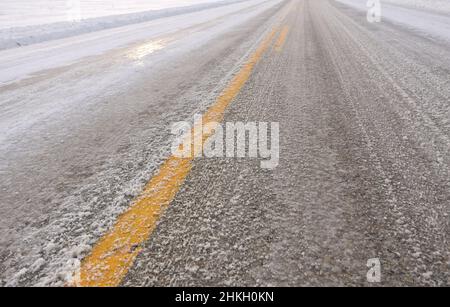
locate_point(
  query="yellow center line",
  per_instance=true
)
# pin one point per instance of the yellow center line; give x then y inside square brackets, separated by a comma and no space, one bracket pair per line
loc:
[281,39]
[112,257]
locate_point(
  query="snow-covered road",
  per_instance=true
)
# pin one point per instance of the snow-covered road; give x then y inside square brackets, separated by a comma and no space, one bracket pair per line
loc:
[84,123]
[14,34]
[363,109]
[20,63]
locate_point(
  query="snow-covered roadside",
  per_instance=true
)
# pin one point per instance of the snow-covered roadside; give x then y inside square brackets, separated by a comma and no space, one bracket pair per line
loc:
[407,13]
[432,5]
[38,29]
[438,6]
[19,13]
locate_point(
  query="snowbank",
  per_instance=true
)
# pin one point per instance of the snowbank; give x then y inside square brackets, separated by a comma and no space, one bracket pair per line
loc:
[430,21]
[38,29]
[442,6]
[439,6]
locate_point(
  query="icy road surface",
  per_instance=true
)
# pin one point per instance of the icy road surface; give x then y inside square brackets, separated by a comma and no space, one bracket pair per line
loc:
[364,167]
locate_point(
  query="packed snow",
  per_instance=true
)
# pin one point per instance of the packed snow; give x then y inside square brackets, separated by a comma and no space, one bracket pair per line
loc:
[25,22]
[18,13]
[428,18]
[441,6]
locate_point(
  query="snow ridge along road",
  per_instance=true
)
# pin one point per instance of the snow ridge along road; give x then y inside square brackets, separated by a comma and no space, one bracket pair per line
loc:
[18,31]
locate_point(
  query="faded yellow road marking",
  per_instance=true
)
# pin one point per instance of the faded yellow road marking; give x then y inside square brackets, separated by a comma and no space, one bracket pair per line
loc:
[115,253]
[281,39]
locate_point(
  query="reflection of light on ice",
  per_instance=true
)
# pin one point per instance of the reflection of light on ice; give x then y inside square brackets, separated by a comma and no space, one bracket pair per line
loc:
[144,50]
